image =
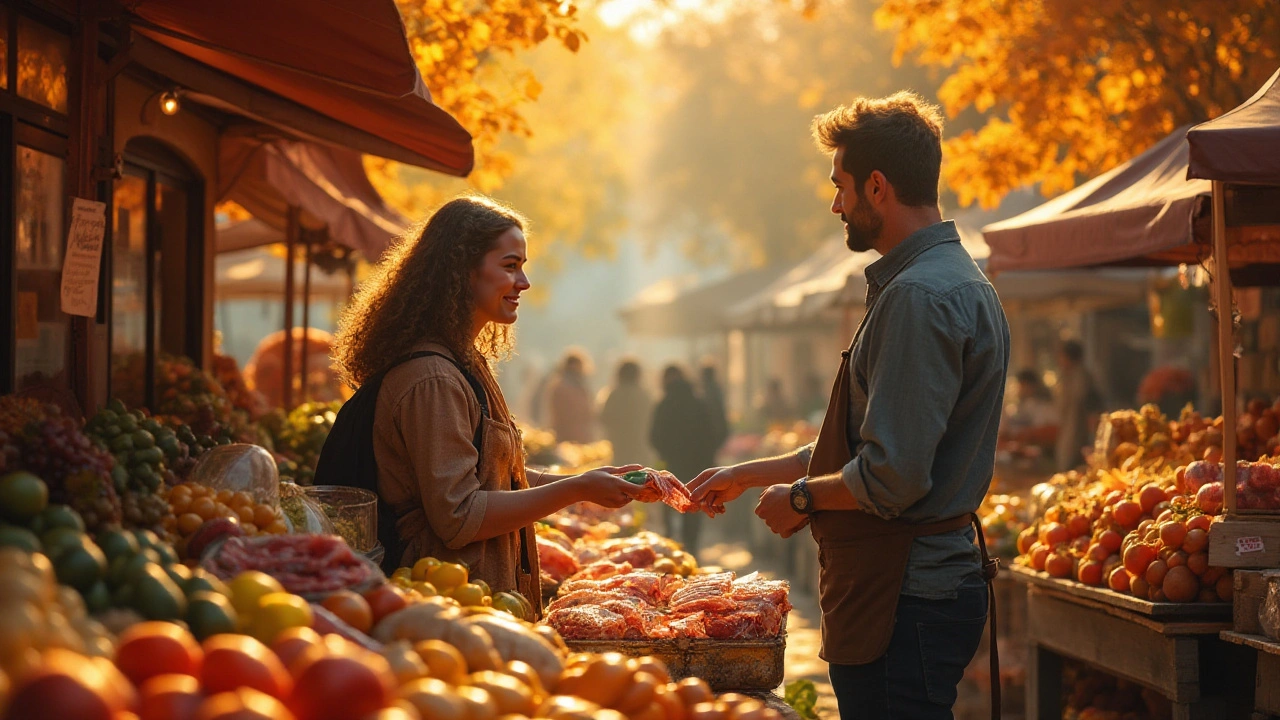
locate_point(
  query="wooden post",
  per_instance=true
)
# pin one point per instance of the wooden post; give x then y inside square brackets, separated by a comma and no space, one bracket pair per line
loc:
[1226,346]
[292,229]
[83,110]
[306,319]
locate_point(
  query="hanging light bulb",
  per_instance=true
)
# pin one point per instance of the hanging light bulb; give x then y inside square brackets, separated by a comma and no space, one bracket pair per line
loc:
[169,103]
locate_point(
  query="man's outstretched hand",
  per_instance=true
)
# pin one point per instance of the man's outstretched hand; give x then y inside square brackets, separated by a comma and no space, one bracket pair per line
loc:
[714,487]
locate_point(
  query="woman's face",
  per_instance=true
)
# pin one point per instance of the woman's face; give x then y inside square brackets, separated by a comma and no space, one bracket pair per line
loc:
[496,285]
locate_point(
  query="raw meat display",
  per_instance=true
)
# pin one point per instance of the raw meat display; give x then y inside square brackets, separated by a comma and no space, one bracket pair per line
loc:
[303,564]
[556,560]
[651,605]
[662,485]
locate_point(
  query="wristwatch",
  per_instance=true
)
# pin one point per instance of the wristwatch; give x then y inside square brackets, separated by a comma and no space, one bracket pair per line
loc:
[801,500]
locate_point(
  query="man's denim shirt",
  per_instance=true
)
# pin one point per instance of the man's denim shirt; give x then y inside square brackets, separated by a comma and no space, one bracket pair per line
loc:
[928,387]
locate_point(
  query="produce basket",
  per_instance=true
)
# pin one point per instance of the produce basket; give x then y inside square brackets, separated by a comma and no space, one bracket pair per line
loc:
[354,513]
[725,665]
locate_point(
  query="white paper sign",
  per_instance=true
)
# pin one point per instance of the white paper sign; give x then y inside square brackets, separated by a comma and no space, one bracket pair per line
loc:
[83,258]
[1251,544]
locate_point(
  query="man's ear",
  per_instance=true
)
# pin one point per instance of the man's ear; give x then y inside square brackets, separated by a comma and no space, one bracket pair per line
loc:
[879,190]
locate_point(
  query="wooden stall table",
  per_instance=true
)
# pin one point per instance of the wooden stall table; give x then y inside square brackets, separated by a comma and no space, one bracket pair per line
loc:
[1266,698]
[1171,648]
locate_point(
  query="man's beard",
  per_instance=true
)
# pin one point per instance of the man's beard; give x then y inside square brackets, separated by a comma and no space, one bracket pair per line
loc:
[862,229]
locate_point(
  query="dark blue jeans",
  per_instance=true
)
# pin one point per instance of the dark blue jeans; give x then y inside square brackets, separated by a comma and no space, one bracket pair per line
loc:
[933,641]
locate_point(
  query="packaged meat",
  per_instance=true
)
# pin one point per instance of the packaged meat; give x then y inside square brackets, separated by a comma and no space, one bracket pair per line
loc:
[555,560]
[306,565]
[660,485]
[588,622]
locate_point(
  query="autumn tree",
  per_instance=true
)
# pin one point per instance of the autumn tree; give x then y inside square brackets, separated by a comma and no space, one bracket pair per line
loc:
[1070,89]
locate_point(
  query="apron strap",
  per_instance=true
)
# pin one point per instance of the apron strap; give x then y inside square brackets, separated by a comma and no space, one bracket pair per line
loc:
[990,568]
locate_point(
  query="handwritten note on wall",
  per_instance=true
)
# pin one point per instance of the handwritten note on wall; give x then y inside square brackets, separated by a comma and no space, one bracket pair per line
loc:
[83,258]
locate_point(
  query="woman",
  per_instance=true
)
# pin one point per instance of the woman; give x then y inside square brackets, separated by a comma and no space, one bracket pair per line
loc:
[683,435]
[452,473]
[625,415]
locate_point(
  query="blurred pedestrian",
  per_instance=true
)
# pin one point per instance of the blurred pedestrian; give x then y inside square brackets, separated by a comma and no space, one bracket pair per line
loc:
[713,396]
[813,399]
[774,409]
[1078,403]
[571,416]
[683,436]
[626,413]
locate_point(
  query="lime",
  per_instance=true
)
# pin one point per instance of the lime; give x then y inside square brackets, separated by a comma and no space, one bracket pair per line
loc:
[121,443]
[120,476]
[56,516]
[128,568]
[115,543]
[128,423]
[116,405]
[19,537]
[143,439]
[106,416]
[58,540]
[98,598]
[204,581]
[22,496]
[123,596]
[167,555]
[179,574]
[209,613]
[157,597]
[146,538]
[80,567]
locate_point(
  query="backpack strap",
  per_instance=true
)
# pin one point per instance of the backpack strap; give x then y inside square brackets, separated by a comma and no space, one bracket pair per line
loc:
[481,397]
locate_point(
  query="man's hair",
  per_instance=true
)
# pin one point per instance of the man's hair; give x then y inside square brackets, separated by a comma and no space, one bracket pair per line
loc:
[900,135]
[1073,349]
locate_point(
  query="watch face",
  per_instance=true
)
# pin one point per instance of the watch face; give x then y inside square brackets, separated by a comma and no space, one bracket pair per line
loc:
[799,500]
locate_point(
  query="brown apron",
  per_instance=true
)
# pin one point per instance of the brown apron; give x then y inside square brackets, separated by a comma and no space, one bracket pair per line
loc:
[863,558]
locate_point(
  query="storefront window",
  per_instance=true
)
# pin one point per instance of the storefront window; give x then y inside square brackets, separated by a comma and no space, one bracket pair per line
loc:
[128,290]
[43,56]
[42,330]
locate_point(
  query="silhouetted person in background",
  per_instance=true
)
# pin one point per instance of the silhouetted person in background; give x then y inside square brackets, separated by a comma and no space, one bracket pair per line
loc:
[775,410]
[813,399]
[683,436]
[1078,402]
[569,401]
[713,396]
[626,413]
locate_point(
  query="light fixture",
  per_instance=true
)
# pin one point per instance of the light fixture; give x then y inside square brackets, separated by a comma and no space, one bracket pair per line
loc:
[169,103]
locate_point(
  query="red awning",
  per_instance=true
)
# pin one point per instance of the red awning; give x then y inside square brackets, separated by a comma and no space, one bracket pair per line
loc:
[346,59]
[1242,145]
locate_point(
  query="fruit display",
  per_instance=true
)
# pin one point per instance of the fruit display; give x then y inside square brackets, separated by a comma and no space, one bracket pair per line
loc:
[194,505]
[1003,517]
[189,394]
[37,614]
[40,439]
[1257,485]
[1138,532]
[1092,695]
[1144,437]
[644,604]
[228,374]
[143,449]
[431,577]
[299,435]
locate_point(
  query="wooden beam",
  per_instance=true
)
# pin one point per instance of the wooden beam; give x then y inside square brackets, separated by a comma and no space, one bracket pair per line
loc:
[1226,345]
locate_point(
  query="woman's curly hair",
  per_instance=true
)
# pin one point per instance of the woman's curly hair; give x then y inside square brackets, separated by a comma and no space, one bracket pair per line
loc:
[422,290]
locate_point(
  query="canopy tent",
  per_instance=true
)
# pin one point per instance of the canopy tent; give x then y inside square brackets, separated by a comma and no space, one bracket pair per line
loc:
[1242,145]
[806,290]
[328,184]
[258,274]
[681,307]
[340,72]
[1142,211]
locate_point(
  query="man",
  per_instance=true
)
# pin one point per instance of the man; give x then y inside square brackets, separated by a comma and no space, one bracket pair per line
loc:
[907,447]
[1078,402]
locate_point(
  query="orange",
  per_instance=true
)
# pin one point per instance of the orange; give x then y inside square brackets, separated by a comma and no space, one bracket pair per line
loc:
[443,660]
[447,576]
[351,609]
[149,649]
[384,600]
[243,704]
[169,697]
[292,642]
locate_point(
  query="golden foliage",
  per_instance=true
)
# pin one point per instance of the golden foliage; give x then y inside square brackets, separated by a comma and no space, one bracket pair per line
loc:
[1074,88]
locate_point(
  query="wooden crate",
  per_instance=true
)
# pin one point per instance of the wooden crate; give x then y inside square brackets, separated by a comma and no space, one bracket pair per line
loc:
[1249,591]
[726,665]
[1155,610]
[1240,543]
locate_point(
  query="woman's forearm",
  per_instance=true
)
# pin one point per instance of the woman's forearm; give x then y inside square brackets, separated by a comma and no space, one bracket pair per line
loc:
[507,511]
[538,478]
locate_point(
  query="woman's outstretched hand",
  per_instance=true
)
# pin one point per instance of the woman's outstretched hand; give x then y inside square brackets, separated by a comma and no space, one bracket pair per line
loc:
[602,486]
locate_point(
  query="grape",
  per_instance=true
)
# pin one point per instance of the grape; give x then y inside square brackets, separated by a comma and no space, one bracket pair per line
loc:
[77,472]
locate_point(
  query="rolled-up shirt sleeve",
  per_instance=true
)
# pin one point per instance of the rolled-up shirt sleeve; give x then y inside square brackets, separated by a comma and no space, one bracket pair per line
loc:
[913,371]
[435,419]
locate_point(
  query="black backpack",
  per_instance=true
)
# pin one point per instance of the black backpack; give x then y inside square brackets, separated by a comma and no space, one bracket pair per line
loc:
[347,456]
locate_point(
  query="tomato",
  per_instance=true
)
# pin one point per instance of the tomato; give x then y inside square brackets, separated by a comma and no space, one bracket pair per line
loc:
[1118,580]
[351,609]
[1078,525]
[443,660]
[1198,562]
[1054,534]
[1091,573]
[433,699]
[1025,539]
[1039,556]
[291,643]
[1180,585]
[399,711]
[1111,540]
[70,685]
[1097,553]
[243,704]
[1177,558]
[1139,586]
[1059,565]
[1127,513]
[384,600]
[1155,572]
[156,648]
[232,661]
[331,686]
[1197,539]
[169,697]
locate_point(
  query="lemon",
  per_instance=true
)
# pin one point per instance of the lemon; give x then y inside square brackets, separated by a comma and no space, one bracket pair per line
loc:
[422,567]
[447,576]
[278,612]
[248,587]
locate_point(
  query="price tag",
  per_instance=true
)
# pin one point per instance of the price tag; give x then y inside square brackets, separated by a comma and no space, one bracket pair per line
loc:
[1250,544]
